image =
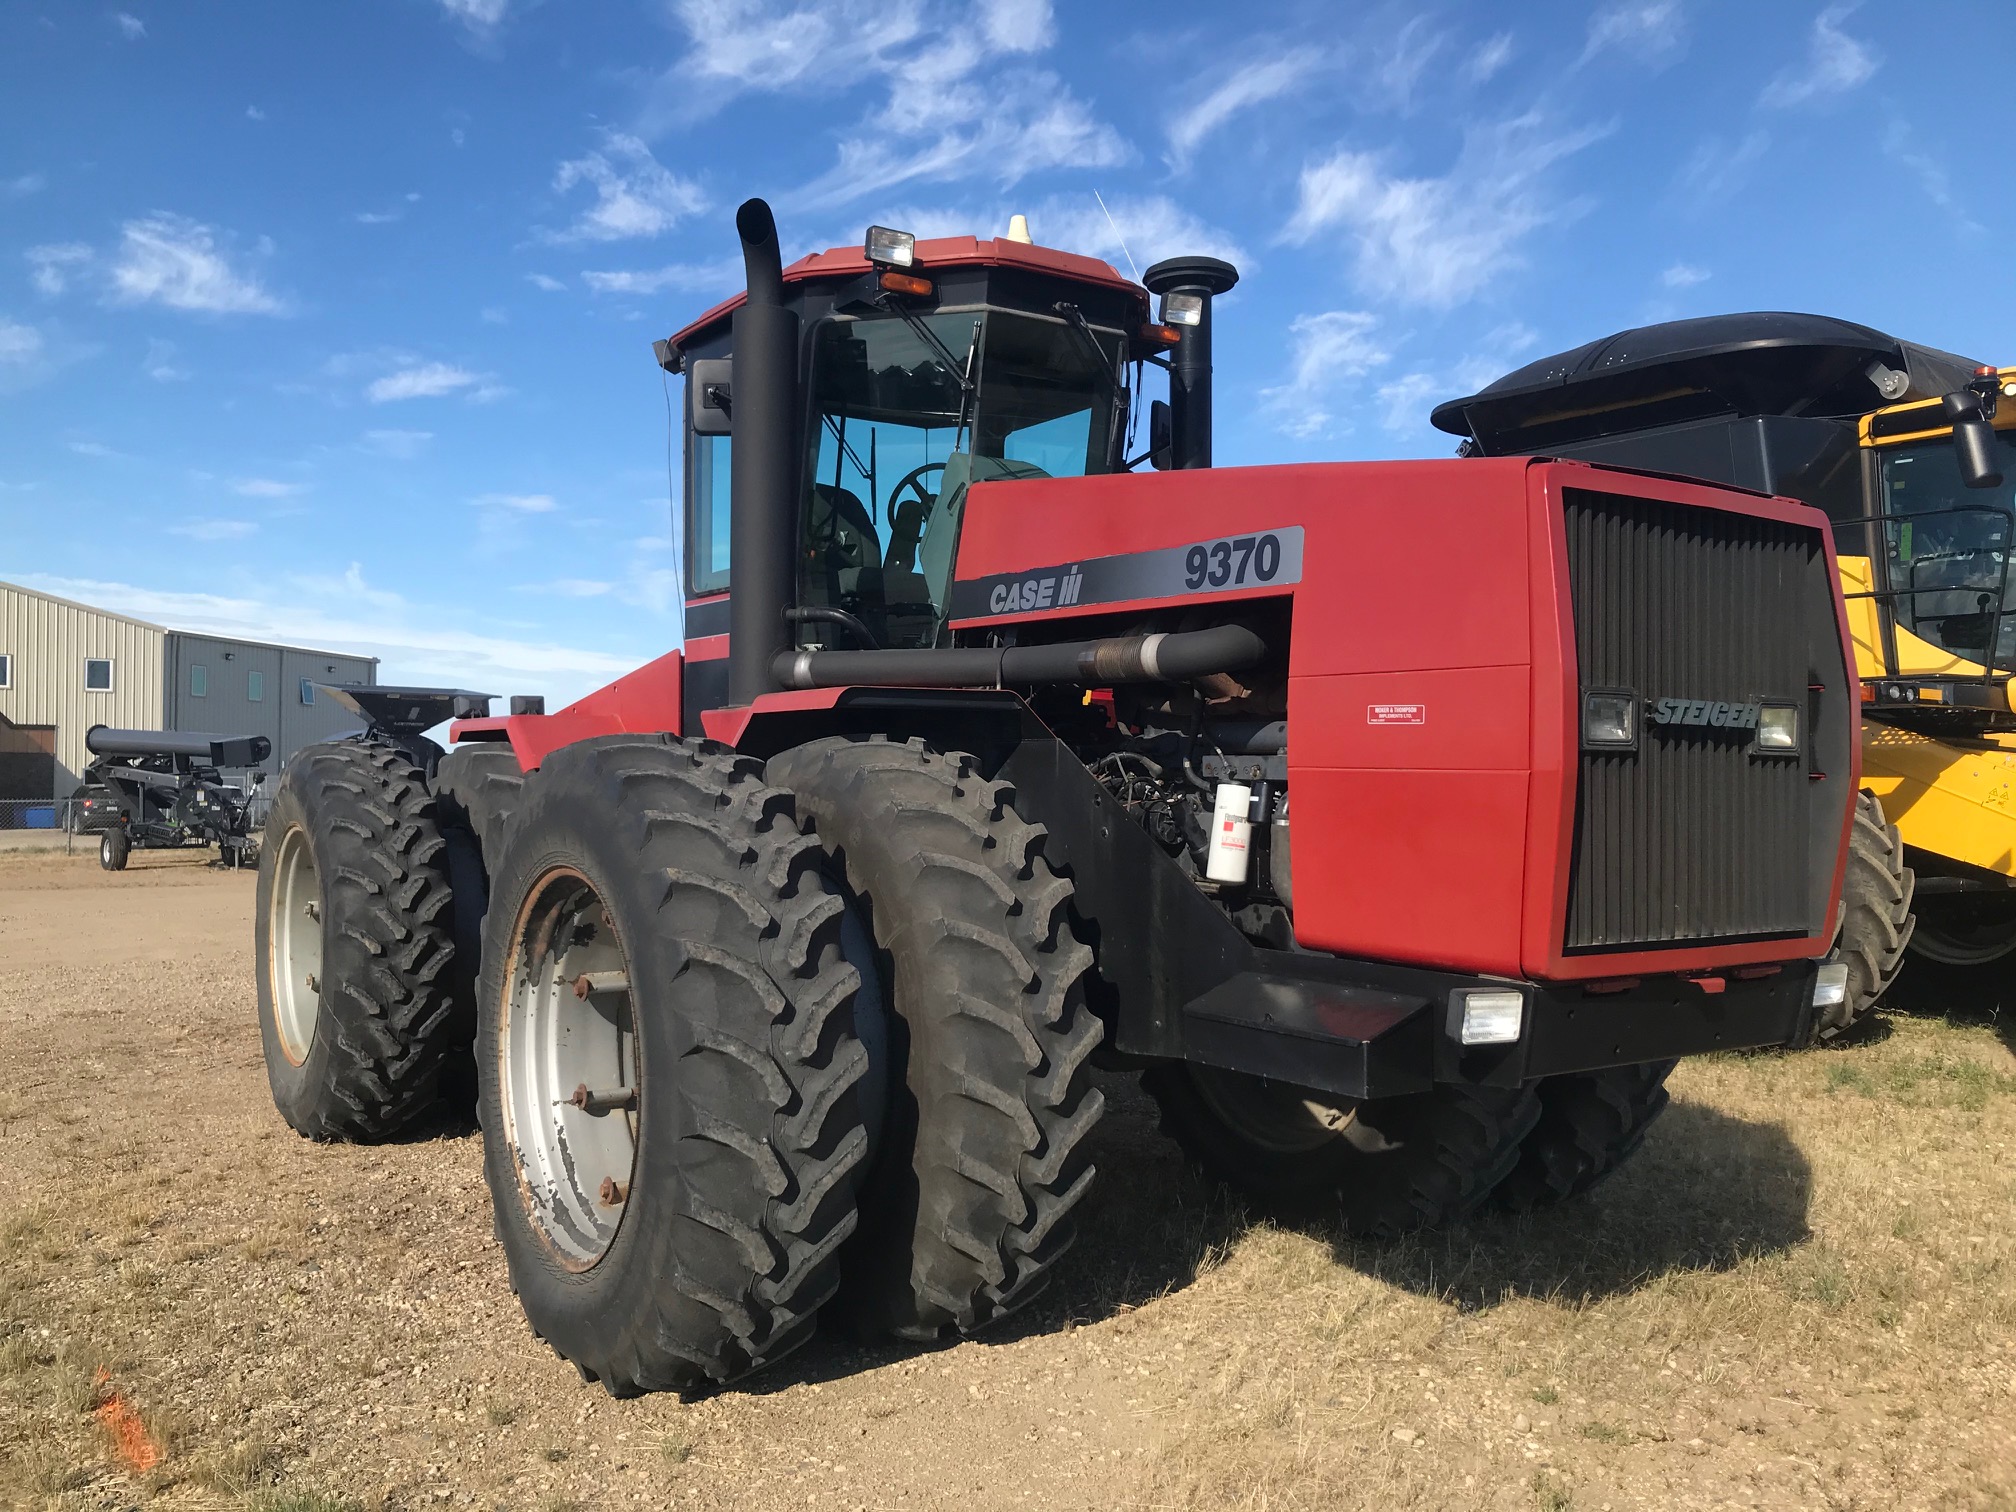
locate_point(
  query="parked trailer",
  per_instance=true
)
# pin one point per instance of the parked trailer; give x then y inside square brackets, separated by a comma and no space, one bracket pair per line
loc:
[1303,791]
[168,792]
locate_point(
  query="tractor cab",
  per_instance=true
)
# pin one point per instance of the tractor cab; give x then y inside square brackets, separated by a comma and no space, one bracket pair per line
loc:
[924,369]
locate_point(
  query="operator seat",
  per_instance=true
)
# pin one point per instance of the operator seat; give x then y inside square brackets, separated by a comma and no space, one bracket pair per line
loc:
[843,552]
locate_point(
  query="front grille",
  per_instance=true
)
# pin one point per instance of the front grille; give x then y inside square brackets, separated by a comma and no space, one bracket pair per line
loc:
[1691,838]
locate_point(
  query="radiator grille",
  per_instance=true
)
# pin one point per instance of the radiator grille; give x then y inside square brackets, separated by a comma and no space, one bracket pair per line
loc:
[1692,838]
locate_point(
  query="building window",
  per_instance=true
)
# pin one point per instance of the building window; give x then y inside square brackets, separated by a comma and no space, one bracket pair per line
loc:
[307,691]
[6,671]
[255,687]
[199,680]
[97,674]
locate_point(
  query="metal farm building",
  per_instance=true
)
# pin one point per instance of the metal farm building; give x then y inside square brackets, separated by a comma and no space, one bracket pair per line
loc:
[65,667]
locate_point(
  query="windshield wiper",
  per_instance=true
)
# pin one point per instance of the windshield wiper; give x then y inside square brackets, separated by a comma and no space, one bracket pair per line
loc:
[924,333]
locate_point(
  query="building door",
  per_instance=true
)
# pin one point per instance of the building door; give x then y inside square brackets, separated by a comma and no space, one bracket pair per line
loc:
[27,760]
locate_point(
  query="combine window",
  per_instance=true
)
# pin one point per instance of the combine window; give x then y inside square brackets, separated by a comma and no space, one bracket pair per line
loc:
[1950,557]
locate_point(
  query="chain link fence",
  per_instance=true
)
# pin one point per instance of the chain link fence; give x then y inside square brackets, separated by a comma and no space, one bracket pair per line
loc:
[33,822]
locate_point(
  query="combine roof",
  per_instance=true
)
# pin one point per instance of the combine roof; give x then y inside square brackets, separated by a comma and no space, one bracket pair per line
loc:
[939,252]
[1760,363]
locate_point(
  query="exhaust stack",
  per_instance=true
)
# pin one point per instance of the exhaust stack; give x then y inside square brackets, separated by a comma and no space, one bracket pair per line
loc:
[763,452]
[1187,286]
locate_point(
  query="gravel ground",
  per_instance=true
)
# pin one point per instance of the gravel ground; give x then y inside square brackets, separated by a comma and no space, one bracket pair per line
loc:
[1801,1294]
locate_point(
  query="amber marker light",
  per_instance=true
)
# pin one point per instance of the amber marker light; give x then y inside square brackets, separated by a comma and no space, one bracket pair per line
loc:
[905,283]
[1160,335]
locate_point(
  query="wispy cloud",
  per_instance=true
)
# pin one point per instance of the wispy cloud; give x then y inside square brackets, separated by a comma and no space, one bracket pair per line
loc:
[1152,226]
[477,15]
[1249,85]
[1489,58]
[215,530]
[1401,62]
[400,445]
[1684,276]
[1715,169]
[174,261]
[50,267]
[1834,64]
[1437,241]
[19,344]
[22,187]
[254,113]
[377,217]
[635,195]
[427,380]
[1328,350]
[160,365]
[267,488]
[718,277]
[1930,172]
[520,503]
[95,449]
[131,27]
[545,281]
[1404,403]
[1648,31]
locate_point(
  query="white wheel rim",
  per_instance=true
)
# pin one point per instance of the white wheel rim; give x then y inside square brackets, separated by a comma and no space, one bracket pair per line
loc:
[1282,1119]
[295,928]
[1965,946]
[575,1163]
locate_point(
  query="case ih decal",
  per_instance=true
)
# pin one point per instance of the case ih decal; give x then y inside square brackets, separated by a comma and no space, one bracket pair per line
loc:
[1264,559]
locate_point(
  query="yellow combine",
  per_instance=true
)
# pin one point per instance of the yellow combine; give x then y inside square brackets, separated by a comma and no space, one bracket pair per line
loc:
[1912,452]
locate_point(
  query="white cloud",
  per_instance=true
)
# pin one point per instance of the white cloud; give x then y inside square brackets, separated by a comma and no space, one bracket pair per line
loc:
[159,363]
[1404,403]
[1437,241]
[1489,58]
[174,261]
[545,281]
[1649,31]
[427,380]
[634,194]
[376,217]
[720,277]
[22,187]
[1684,276]
[1253,84]
[1715,169]
[254,113]
[94,449]
[267,488]
[1329,348]
[1404,60]
[423,644]
[1153,227]
[21,346]
[1931,174]
[215,530]
[1834,64]
[50,266]
[572,588]
[477,15]
[401,445]
[521,503]
[131,27]
[762,44]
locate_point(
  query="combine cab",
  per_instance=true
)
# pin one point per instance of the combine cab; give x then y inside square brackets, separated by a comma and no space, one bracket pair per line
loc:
[1899,445]
[1399,823]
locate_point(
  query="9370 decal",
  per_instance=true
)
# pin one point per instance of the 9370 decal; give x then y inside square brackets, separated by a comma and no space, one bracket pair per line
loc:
[1257,559]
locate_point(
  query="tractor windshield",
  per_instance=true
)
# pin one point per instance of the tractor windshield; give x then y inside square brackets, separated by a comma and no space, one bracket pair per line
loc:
[912,411]
[1950,552]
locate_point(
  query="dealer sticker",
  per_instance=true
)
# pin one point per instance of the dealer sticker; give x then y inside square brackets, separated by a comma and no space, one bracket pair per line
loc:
[1396,714]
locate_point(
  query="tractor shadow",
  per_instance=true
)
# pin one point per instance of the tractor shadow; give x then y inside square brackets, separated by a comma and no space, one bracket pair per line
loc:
[1964,997]
[1706,1193]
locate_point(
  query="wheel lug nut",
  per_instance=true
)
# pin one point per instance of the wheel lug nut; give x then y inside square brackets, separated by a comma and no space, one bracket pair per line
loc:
[614,1193]
[313,985]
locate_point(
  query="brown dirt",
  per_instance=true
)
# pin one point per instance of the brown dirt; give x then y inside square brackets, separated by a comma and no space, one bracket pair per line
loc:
[1801,1294]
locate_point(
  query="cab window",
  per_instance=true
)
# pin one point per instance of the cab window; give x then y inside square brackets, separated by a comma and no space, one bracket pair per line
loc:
[1949,550]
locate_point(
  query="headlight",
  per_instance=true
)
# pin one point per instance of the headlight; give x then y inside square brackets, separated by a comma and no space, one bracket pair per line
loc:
[1830,985]
[1610,720]
[1183,309]
[892,249]
[1778,727]
[1488,1018]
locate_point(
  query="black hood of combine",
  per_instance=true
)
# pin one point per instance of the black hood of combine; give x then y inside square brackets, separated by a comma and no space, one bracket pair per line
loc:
[1759,363]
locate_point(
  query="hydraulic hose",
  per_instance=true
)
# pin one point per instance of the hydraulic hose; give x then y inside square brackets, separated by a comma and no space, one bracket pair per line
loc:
[1177,656]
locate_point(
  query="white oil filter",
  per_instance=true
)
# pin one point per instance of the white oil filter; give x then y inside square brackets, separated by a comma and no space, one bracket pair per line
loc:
[1231,850]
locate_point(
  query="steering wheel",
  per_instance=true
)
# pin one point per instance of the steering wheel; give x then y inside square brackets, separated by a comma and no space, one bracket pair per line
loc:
[914,481]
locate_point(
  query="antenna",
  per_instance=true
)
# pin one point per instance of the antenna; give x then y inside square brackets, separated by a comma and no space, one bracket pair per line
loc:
[1117,236]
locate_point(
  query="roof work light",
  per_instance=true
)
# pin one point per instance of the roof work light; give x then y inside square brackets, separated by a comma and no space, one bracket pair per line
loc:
[890,249]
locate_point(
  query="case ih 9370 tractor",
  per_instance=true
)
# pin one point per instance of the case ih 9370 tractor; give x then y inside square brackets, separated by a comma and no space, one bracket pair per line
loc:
[1401,823]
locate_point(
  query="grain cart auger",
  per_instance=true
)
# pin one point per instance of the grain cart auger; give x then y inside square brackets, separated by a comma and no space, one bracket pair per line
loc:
[1319,794]
[1911,452]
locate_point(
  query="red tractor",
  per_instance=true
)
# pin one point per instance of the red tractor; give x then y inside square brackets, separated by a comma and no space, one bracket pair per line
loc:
[1400,823]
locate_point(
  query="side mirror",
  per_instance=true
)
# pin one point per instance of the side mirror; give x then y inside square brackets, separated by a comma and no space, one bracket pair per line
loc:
[1973,440]
[710,395]
[1161,432]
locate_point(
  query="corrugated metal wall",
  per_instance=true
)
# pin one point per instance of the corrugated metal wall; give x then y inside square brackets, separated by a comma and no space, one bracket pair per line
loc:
[226,705]
[47,642]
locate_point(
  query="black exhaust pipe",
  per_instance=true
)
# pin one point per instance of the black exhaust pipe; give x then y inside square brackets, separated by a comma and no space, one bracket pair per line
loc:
[1190,362]
[1179,656]
[763,452]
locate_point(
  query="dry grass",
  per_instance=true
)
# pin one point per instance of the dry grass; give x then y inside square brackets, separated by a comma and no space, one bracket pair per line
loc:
[1802,1293]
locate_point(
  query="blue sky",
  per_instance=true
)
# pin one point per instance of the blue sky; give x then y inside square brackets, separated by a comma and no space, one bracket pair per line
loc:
[332,322]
